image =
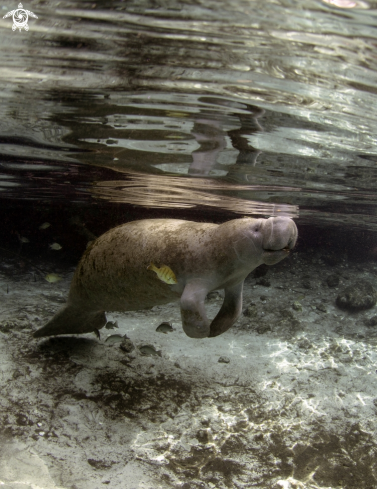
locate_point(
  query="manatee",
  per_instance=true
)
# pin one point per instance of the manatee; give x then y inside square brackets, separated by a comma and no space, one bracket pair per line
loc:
[113,273]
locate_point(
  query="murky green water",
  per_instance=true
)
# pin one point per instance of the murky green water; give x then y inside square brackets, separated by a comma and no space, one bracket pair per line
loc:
[238,106]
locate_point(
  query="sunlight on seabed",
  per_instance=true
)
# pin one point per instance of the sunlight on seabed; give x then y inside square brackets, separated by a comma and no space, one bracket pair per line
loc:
[174,192]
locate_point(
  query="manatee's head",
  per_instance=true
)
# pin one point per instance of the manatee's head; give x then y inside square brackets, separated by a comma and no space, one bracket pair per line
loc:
[279,237]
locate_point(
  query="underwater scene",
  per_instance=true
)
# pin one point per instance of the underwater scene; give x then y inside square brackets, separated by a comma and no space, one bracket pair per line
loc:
[188,244]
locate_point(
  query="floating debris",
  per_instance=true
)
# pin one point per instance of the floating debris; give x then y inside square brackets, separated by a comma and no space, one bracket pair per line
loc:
[45,225]
[165,328]
[55,246]
[114,338]
[52,278]
[23,240]
[111,325]
[149,351]
[164,273]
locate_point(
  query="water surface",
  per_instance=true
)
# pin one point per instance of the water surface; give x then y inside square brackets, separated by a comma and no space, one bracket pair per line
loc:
[245,107]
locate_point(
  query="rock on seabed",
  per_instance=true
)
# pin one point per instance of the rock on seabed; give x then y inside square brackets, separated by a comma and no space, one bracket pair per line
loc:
[358,296]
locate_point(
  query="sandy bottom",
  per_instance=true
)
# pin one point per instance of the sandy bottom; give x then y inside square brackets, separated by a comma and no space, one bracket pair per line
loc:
[291,403]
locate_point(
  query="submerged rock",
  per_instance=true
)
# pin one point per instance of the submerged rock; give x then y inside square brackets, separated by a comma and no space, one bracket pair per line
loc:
[250,310]
[333,280]
[321,307]
[306,284]
[263,328]
[304,344]
[297,306]
[224,360]
[126,344]
[358,296]
[371,321]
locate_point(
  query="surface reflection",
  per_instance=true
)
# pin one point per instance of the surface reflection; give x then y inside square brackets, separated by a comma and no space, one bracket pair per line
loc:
[175,192]
[209,132]
[279,96]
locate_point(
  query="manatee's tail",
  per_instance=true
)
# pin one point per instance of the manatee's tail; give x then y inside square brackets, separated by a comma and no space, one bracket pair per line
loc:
[72,319]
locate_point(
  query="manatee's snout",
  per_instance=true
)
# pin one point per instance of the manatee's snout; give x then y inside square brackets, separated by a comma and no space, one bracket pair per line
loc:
[279,236]
[279,233]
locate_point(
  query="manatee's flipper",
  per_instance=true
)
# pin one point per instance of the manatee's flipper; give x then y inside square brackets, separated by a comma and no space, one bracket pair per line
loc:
[229,312]
[194,319]
[71,319]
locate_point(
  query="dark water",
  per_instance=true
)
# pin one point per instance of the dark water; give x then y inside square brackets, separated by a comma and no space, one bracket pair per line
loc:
[238,106]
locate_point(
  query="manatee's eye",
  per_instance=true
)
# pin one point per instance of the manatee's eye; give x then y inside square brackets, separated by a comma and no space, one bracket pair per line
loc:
[256,228]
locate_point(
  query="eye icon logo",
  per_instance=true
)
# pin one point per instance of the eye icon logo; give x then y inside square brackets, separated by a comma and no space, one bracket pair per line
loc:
[20,18]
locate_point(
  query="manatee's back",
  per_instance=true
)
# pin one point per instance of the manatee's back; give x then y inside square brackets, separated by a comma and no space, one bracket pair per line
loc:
[113,273]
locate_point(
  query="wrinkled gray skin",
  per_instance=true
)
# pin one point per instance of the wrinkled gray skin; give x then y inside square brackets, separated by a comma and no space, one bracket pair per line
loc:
[112,274]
